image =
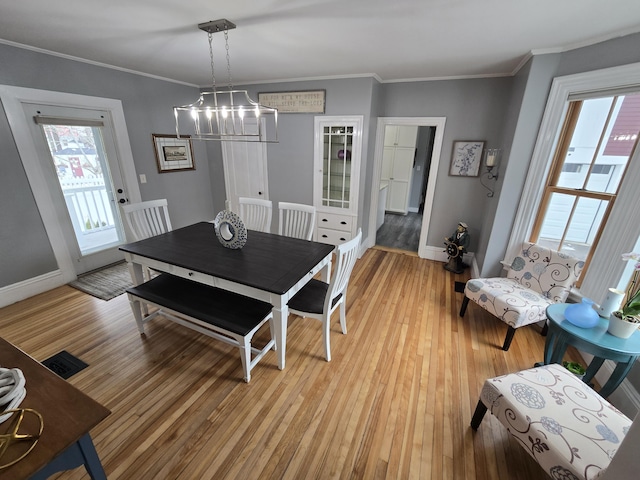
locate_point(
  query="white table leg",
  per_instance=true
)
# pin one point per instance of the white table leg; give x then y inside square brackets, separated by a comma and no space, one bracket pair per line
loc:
[280,320]
[135,270]
[325,273]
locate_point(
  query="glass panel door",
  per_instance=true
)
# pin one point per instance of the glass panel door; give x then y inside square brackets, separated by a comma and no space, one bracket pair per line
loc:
[80,162]
[78,158]
[336,175]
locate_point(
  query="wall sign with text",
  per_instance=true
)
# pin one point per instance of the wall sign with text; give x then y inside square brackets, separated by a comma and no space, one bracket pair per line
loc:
[294,102]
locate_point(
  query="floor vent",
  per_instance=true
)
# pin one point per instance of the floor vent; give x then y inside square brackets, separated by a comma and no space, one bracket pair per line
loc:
[64,364]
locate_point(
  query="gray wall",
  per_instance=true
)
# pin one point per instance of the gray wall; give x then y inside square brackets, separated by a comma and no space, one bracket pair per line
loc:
[503,112]
[474,110]
[290,161]
[147,107]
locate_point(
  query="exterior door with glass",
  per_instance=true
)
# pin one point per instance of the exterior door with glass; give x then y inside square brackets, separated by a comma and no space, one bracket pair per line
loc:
[77,154]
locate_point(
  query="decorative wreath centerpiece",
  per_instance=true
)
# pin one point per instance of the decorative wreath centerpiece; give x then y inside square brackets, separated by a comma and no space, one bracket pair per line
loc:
[230,230]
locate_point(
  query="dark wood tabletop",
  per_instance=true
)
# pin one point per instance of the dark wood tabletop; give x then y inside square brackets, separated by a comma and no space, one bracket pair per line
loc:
[67,412]
[269,262]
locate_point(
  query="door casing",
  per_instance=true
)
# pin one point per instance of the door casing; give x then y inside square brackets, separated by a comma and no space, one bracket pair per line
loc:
[438,123]
[13,99]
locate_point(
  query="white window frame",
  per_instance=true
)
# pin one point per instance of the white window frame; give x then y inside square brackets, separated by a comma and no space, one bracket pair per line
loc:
[623,226]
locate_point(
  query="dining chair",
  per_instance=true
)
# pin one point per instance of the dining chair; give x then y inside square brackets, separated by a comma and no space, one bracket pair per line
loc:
[255,213]
[318,299]
[537,278]
[147,219]
[296,220]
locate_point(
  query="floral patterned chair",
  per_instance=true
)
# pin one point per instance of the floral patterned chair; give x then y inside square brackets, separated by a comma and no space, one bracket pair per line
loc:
[570,430]
[538,277]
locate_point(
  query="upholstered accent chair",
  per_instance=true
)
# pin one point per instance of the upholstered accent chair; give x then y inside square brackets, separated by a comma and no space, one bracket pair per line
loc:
[538,277]
[568,428]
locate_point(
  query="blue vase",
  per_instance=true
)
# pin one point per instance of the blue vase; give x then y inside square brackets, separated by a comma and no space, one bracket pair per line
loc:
[582,314]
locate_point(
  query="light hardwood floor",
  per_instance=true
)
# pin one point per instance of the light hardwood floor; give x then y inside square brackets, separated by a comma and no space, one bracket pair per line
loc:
[395,401]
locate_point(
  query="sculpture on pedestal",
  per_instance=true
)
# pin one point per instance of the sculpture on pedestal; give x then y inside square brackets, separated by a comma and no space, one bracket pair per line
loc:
[457,245]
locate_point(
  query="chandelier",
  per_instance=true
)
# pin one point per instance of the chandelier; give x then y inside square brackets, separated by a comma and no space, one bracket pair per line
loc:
[228,114]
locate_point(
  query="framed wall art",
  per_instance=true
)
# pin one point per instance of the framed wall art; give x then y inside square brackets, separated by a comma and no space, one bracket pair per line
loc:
[466,158]
[311,101]
[173,154]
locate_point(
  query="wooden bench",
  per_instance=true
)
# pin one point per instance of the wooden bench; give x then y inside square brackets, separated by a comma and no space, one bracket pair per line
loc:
[223,315]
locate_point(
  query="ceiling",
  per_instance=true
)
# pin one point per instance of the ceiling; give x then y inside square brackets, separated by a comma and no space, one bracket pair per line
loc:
[277,40]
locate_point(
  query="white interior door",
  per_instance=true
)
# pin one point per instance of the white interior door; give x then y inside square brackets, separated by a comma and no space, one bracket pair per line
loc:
[245,170]
[400,180]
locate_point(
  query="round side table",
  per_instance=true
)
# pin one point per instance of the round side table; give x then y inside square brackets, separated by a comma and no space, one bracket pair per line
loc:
[596,341]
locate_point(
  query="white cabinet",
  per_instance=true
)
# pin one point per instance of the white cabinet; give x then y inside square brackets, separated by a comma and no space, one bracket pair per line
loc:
[397,165]
[337,152]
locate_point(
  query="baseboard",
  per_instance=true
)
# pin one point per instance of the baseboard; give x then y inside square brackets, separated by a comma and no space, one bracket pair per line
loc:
[28,288]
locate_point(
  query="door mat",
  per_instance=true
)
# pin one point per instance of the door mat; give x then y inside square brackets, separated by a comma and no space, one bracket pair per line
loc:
[105,283]
[459,287]
[64,364]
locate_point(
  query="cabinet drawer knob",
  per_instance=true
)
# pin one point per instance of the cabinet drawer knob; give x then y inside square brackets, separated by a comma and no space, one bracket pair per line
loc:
[343,223]
[324,236]
[343,239]
[325,220]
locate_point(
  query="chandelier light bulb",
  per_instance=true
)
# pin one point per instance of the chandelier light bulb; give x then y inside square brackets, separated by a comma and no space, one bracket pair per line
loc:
[220,115]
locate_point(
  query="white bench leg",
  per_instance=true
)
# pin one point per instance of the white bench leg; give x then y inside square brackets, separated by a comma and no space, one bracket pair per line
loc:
[245,356]
[136,307]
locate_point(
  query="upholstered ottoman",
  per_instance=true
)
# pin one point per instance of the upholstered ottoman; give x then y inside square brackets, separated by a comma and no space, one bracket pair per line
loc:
[565,426]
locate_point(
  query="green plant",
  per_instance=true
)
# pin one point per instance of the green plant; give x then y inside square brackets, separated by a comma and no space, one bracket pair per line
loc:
[631,306]
[574,367]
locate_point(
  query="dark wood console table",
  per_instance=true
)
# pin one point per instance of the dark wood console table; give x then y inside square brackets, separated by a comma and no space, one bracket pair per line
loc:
[68,416]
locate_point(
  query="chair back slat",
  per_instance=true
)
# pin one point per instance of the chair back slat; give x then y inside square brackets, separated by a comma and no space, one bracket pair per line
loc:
[147,219]
[256,213]
[346,256]
[546,271]
[296,220]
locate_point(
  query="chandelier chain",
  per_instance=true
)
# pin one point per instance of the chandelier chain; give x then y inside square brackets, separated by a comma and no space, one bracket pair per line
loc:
[213,74]
[226,46]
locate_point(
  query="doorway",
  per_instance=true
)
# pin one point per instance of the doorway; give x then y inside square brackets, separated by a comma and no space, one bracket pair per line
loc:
[407,157]
[21,106]
[420,215]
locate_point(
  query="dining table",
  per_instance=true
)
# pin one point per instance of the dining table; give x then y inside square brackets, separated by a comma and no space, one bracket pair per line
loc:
[269,267]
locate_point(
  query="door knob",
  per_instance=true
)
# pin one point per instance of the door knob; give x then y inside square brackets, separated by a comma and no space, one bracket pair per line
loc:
[122,200]
[120,190]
